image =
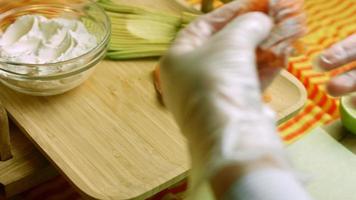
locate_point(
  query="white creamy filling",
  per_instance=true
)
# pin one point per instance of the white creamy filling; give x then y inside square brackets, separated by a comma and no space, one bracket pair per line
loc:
[34,39]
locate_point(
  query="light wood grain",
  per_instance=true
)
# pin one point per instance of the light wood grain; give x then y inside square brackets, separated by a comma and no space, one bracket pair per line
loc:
[26,169]
[5,146]
[110,137]
[288,96]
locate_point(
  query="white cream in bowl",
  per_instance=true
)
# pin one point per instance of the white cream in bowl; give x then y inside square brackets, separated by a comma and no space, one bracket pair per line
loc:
[34,39]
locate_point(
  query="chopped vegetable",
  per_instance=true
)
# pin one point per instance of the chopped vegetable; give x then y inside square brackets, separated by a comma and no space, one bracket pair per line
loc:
[140,32]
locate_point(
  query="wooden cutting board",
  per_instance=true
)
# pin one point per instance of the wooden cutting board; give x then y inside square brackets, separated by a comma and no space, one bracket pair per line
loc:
[110,137]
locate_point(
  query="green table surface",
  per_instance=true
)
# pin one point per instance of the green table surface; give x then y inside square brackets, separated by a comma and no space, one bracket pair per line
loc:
[323,157]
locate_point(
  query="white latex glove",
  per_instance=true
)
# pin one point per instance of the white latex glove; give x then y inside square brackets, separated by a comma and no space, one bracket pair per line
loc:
[210,84]
[339,54]
[289,19]
[290,25]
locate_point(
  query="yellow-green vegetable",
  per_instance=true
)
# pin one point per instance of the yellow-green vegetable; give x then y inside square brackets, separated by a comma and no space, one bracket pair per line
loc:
[141,32]
[348,113]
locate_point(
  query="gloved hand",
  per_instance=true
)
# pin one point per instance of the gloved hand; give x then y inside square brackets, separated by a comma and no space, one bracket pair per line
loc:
[288,16]
[339,54]
[210,84]
[289,25]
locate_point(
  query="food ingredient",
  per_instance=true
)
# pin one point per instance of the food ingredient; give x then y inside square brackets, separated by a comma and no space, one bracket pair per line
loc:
[34,39]
[139,32]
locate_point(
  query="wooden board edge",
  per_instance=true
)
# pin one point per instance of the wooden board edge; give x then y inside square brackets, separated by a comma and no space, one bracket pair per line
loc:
[291,111]
[5,145]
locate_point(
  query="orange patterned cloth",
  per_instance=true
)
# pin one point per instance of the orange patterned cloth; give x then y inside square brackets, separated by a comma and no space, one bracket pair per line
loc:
[329,21]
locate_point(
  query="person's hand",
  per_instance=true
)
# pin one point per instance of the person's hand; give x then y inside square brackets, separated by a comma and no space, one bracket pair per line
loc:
[210,84]
[288,16]
[339,54]
[289,25]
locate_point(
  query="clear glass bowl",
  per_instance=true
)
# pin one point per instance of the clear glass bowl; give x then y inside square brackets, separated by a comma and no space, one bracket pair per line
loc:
[61,76]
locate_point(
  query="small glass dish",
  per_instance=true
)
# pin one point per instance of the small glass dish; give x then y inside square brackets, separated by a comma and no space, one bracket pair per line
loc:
[62,76]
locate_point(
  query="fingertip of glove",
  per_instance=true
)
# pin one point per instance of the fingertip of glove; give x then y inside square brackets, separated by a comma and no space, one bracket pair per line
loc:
[260,17]
[255,22]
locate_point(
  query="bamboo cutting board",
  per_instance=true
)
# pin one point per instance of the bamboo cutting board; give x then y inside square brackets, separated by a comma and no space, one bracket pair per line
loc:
[110,137]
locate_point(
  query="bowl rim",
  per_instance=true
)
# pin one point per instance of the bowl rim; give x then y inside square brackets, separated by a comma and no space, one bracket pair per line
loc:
[99,46]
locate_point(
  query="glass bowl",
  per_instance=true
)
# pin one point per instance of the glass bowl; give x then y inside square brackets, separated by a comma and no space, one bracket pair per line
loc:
[59,77]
